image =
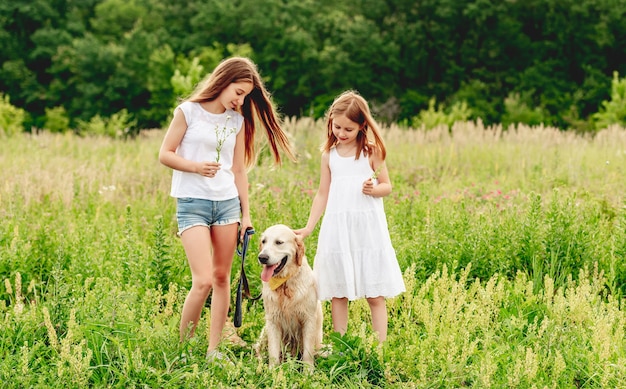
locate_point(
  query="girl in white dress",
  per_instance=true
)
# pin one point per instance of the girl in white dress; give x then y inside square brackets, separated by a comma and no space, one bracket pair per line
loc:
[354,258]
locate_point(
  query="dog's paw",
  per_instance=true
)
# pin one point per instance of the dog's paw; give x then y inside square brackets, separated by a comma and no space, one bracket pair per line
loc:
[325,351]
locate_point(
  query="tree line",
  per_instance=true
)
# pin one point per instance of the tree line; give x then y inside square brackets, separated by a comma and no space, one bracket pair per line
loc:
[549,61]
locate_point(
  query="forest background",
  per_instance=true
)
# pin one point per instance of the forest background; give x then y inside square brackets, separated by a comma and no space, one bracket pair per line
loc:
[73,64]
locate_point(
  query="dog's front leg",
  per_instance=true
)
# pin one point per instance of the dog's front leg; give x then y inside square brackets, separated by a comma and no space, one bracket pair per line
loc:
[273,344]
[309,343]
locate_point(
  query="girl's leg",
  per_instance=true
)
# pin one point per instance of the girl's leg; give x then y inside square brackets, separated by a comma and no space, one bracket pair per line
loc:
[378,308]
[197,244]
[224,244]
[339,313]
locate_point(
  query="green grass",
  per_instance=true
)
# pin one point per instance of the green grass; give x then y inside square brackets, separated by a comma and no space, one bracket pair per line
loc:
[512,246]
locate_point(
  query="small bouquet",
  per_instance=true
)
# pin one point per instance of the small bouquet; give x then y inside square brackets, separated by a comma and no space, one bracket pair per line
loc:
[222,134]
[377,172]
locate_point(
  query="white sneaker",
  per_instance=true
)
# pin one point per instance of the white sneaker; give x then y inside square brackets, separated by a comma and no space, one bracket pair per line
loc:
[215,356]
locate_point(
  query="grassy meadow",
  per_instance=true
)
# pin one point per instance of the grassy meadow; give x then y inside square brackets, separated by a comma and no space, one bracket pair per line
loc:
[512,244]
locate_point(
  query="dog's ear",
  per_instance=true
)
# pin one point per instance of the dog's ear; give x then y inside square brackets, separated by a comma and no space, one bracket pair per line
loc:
[299,250]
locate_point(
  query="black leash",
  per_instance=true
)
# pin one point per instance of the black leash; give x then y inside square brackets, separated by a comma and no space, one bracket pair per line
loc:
[242,286]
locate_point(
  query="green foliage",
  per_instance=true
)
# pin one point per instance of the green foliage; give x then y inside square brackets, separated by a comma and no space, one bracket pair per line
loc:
[565,242]
[186,76]
[56,120]
[506,332]
[96,57]
[479,96]
[86,60]
[613,112]
[432,117]
[351,359]
[412,101]
[530,252]
[161,68]
[114,18]
[116,126]
[616,266]
[161,265]
[518,111]
[232,49]
[11,117]
[95,126]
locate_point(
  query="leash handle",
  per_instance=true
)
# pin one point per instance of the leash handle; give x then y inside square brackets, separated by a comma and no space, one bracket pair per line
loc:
[242,247]
[242,286]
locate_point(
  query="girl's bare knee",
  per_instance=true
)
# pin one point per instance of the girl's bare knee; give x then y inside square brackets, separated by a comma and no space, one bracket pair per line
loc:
[376,301]
[221,280]
[202,286]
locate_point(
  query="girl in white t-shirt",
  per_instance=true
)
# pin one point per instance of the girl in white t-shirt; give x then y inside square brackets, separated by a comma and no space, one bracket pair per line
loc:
[209,145]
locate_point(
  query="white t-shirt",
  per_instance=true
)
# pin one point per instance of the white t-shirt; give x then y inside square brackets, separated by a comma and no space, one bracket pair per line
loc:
[204,130]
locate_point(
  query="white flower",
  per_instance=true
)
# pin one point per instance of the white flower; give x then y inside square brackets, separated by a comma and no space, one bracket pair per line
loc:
[222,134]
[377,172]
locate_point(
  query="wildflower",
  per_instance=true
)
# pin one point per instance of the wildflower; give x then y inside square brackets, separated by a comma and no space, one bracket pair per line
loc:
[222,134]
[8,287]
[25,357]
[377,172]
[52,334]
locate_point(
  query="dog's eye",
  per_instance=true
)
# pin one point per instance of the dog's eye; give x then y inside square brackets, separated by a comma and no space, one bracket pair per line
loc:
[279,242]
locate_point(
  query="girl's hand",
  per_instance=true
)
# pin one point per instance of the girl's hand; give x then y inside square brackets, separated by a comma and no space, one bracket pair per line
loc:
[208,168]
[302,232]
[368,187]
[245,224]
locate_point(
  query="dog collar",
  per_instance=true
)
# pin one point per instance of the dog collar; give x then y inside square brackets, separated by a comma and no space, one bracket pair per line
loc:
[276,282]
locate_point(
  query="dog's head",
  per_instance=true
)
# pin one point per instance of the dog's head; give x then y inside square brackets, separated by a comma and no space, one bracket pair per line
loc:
[281,252]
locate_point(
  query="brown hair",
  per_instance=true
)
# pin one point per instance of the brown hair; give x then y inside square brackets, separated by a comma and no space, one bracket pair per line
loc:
[240,69]
[355,108]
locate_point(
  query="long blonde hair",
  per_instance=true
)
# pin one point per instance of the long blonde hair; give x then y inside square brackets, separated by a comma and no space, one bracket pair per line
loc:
[241,69]
[351,104]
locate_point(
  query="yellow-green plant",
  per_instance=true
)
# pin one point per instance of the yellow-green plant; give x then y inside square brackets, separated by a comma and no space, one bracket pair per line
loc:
[613,112]
[118,125]
[440,116]
[56,120]
[11,117]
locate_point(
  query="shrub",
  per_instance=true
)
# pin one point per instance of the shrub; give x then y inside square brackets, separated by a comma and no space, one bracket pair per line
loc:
[613,111]
[517,111]
[56,120]
[117,126]
[432,117]
[185,79]
[11,117]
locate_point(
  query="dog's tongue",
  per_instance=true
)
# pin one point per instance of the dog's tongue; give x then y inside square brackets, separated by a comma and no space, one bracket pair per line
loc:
[268,272]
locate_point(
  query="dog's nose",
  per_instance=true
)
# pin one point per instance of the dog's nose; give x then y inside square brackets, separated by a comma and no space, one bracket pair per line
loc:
[263,258]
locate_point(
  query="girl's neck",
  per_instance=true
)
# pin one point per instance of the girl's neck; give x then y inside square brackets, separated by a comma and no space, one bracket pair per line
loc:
[213,107]
[346,150]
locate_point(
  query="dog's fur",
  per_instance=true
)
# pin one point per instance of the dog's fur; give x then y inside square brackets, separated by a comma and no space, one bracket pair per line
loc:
[293,313]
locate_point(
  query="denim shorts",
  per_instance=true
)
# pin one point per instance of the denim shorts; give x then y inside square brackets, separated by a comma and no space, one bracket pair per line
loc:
[191,212]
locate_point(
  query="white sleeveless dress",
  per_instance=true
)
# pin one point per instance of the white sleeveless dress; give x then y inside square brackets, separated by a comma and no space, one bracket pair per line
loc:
[354,257]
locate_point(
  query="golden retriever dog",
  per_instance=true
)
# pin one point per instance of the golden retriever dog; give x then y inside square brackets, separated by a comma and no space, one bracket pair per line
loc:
[293,313]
